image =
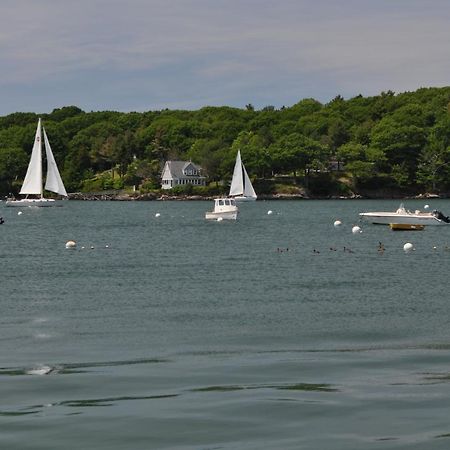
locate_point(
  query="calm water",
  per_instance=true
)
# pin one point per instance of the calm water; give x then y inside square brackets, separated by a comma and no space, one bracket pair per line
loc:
[177,333]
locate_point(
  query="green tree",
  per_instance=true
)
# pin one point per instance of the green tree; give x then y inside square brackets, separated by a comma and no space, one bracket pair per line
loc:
[13,165]
[253,151]
[295,152]
[434,162]
[400,143]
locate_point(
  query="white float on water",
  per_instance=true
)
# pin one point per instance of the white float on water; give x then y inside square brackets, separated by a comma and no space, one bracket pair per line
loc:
[269,212]
[426,206]
[356,229]
[219,219]
[19,213]
[71,244]
[337,223]
[408,247]
[157,215]
[42,370]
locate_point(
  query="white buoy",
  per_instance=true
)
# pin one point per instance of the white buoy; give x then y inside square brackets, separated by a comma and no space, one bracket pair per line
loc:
[269,212]
[337,223]
[71,244]
[219,219]
[356,229]
[19,213]
[426,206]
[157,215]
[408,247]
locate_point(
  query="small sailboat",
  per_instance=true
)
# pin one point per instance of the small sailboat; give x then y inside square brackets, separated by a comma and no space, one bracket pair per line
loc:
[241,188]
[33,182]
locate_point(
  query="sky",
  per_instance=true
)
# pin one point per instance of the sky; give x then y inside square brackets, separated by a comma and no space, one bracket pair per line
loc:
[147,55]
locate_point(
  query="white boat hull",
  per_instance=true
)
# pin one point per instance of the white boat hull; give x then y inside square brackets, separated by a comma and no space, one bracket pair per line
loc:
[222,215]
[386,218]
[27,202]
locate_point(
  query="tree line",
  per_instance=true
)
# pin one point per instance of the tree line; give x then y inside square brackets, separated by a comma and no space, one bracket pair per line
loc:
[389,142]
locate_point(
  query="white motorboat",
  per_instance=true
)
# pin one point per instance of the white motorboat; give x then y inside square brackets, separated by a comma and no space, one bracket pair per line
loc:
[404,216]
[241,188]
[224,208]
[33,182]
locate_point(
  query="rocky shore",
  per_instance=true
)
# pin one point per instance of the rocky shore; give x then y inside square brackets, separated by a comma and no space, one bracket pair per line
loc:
[152,196]
[155,196]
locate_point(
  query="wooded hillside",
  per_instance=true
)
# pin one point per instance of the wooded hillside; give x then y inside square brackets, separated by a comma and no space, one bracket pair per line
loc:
[389,143]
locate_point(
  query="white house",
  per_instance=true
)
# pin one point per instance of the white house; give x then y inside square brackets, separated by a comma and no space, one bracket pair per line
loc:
[179,173]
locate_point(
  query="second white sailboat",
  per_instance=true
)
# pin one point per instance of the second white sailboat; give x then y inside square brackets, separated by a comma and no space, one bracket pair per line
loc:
[241,188]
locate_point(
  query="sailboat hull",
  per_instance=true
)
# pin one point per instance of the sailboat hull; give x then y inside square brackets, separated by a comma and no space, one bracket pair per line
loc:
[41,202]
[242,198]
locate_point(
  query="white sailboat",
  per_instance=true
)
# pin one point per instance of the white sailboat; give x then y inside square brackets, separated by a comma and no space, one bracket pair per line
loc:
[33,182]
[241,188]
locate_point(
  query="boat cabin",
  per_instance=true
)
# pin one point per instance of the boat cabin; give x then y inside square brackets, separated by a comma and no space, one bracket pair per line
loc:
[224,204]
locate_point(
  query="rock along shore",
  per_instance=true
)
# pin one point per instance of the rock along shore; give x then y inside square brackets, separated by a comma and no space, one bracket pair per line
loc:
[153,196]
[113,196]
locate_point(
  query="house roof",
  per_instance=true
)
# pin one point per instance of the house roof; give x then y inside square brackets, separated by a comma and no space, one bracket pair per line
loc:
[176,168]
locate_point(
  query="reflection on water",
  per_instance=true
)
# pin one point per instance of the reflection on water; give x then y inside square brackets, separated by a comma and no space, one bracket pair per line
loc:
[291,387]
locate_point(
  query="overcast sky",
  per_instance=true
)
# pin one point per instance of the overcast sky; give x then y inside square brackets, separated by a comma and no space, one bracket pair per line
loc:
[141,55]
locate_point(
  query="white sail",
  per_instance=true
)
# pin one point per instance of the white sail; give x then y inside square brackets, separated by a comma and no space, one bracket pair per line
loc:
[32,183]
[248,187]
[237,182]
[241,186]
[53,182]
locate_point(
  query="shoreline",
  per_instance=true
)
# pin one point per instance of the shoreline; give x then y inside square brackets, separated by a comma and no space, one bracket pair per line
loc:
[118,196]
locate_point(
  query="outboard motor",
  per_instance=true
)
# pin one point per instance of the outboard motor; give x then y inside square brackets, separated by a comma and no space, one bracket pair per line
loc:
[441,216]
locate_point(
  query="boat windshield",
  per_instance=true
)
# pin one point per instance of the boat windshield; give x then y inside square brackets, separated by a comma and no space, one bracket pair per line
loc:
[401,209]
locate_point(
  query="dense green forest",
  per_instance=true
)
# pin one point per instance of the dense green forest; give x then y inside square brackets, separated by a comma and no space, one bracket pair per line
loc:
[382,145]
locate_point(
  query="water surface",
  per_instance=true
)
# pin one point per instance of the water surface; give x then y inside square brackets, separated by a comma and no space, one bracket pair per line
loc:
[278,331]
